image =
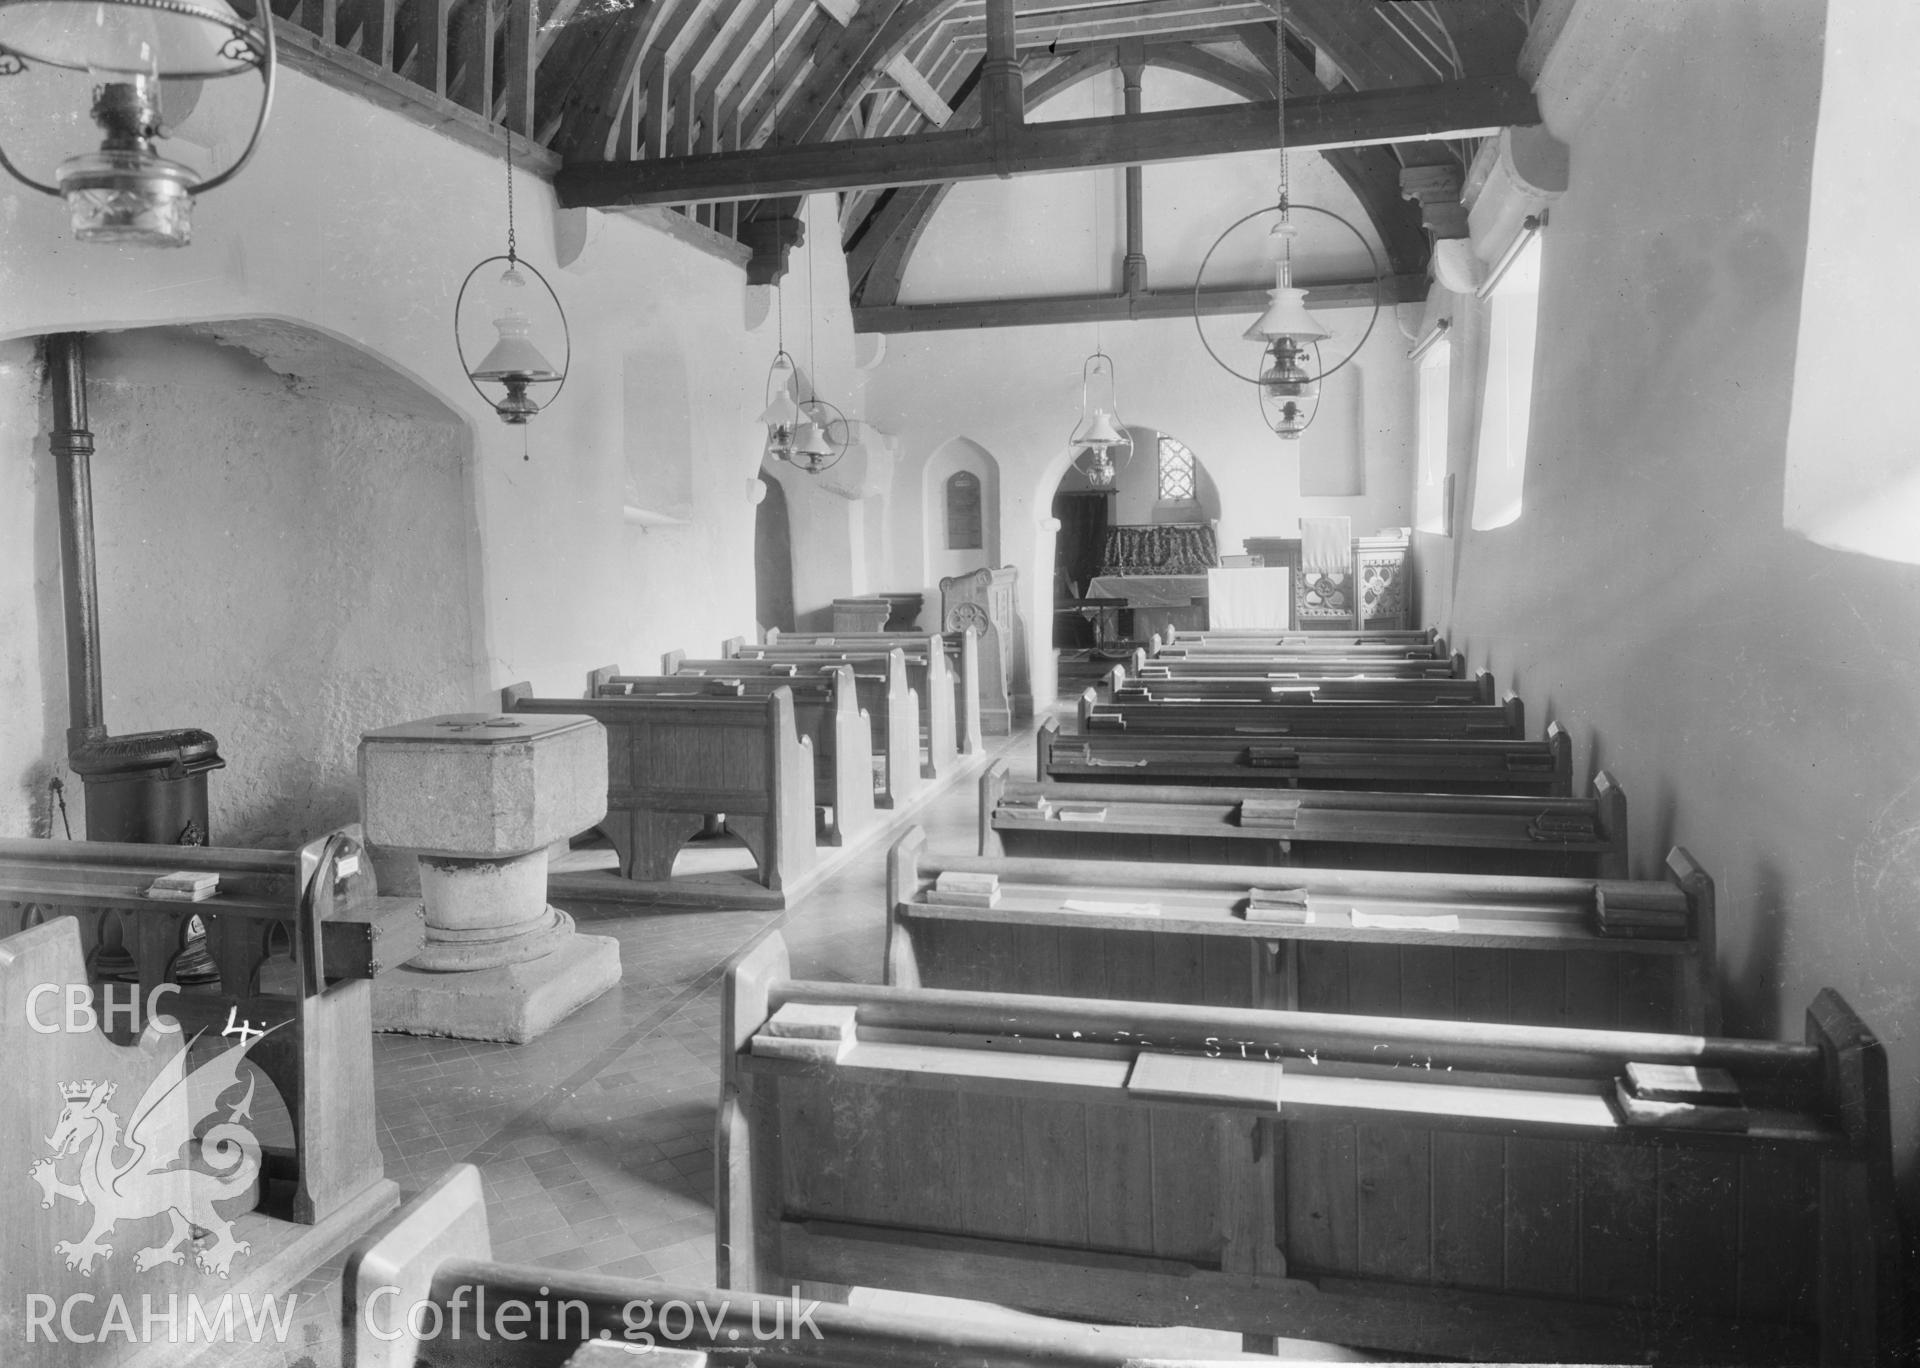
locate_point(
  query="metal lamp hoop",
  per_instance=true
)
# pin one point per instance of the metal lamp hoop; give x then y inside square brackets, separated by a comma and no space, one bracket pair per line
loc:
[1199,276]
[566,333]
[792,369]
[827,416]
[1113,393]
[268,67]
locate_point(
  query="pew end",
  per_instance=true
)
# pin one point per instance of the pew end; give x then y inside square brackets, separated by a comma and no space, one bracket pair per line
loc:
[732,647]
[1610,823]
[993,787]
[512,694]
[1457,663]
[903,877]
[670,661]
[1861,1316]
[600,678]
[393,1269]
[1484,689]
[1560,746]
[1704,984]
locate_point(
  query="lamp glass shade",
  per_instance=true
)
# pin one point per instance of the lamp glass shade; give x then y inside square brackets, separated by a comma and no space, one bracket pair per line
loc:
[175,39]
[782,412]
[1286,316]
[810,439]
[1098,432]
[514,356]
[1099,470]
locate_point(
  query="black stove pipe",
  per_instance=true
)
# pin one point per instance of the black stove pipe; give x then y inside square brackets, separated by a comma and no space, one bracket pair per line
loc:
[72,446]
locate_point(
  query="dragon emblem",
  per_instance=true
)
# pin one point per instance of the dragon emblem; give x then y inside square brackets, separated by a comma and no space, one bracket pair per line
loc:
[148,1182]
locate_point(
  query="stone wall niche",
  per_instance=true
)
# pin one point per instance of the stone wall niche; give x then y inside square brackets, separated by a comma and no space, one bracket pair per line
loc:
[286,535]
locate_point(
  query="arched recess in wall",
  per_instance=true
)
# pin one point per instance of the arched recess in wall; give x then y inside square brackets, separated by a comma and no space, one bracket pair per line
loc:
[288,557]
[1852,463]
[773,559]
[941,486]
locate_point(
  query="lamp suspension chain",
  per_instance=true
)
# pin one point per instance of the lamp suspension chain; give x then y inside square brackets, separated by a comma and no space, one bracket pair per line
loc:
[511,255]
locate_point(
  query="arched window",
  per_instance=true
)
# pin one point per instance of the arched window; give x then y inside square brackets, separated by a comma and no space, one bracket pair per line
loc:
[1436,379]
[1506,401]
[963,512]
[1176,472]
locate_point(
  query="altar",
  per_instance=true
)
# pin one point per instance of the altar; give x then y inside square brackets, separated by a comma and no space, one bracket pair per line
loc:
[1161,568]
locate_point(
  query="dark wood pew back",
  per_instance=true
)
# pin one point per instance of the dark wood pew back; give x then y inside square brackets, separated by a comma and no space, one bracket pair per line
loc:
[476,1312]
[1289,718]
[673,762]
[1511,948]
[1421,765]
[1123,686]
[1142,665]
[1423,1187]
[892,706]
[965,663]
[1326,828]
[826,712]
[927,670]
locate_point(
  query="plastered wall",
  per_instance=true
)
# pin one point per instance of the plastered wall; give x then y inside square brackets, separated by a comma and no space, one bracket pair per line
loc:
[356,226]
[1015,392]
[1755,693]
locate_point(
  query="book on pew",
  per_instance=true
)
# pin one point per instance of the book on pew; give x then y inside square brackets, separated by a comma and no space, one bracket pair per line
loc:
[184,885]
[1039,806]
[1683,1083]
[1268,814]
[1285,906]
[726,688]
[962,889]
[1562,827]
[818,1031]
[1080,812]
[1234,1081]
[1650,910]
[1679,1095]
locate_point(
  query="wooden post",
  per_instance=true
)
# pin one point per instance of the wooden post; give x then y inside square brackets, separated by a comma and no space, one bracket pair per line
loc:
[72,445]
[1002,93]
[522,30]
[1133,61]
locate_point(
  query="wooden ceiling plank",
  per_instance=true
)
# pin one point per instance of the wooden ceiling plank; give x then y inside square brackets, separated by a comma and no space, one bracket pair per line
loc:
[1468,108]
[1133,20]
[589,124]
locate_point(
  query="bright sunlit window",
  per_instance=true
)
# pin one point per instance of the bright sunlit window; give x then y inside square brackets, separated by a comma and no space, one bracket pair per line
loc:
[1176,472]
[1506,401]
[1435,376]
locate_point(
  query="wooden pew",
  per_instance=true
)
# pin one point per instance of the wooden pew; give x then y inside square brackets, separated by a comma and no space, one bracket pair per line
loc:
[1141,665]
[964,667]
[826,712]
[294,937]
[926,669]
[1332,640]
[892,706]
[1522,949]
[1289,718]
[1325,828]
[1432,1188]
[479,1313]
[673,762]
[1296,646]
[1421,766]
[1125,687]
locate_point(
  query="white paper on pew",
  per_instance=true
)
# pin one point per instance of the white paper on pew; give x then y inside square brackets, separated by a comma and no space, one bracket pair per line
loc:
[1400,921]
[1115,909]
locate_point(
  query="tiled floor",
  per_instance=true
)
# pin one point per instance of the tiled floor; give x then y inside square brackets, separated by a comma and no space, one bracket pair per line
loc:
[596,1141]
